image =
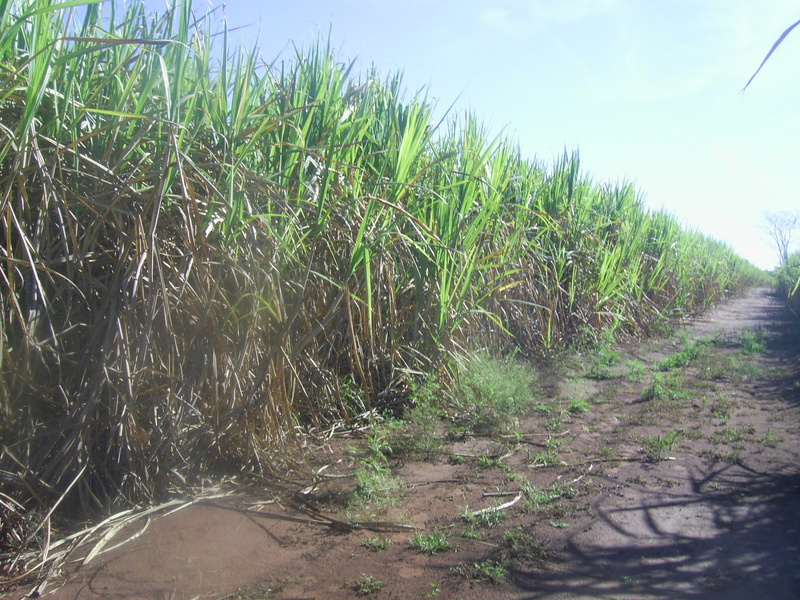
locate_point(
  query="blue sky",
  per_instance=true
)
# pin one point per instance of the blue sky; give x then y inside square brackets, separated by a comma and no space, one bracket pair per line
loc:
[647,90]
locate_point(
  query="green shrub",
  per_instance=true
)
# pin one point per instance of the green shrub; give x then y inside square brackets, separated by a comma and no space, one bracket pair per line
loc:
[491,392]
[655,446]
[753,341]
[680,359]
[430,542]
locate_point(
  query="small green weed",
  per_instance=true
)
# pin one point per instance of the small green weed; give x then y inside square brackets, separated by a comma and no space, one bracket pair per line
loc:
[636,370]
[600,372]
[490,392]
[379,438]
[486,520]
[430,543]
[734,436]
[537,499]
[486,462]
[436,589]
[554,443]
[546,458]
[753,341]
[770,439]
[416,435]
[554,425]
[521,545]
[655,446]
[486,571]
[657,390]
[664,388]
[366,585]
[374,544]
[518,436]
[577,407]
[457,459]
[682,358]
[662,326]
[721,409]
[744,369]
[723,416]
[737,368]
[607,453]
[375,482]
[604,358]
[470,532]
[713,367]
[551,456]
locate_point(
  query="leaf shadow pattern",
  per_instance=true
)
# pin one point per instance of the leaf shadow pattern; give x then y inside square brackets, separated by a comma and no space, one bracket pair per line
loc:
[731,533]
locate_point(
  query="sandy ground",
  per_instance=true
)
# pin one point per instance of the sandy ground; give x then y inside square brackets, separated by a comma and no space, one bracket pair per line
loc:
[713,516]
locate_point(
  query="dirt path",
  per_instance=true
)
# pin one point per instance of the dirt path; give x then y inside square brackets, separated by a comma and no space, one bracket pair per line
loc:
[633,483]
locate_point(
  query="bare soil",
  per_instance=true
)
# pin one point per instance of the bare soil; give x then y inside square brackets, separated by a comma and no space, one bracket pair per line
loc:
[691,493]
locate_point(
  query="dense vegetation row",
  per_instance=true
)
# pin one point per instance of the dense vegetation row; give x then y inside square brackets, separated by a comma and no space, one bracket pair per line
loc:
[787,282]
[202,254]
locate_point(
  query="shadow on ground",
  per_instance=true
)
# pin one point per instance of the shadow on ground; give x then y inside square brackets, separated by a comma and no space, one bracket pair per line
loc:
[730,532]
[694,528]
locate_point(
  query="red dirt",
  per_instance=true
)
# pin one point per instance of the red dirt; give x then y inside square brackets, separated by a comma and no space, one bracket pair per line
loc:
[715,518]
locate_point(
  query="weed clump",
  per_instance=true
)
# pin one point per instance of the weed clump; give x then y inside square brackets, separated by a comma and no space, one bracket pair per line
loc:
[692,351]
[375,483]
[601,353]
[663,389]
[490,393]
[656,446]
[753,341]
[376,543]
[367,585]
[536,499]
[636,370]
[486,571]
[521,545]
[430,543]
[416,434]
[577,407]
[483,520]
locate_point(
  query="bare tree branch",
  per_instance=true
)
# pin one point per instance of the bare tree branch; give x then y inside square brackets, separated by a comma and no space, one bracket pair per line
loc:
[782,227]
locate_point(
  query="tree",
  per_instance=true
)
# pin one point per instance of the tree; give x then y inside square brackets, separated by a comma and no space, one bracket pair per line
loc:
[782,227]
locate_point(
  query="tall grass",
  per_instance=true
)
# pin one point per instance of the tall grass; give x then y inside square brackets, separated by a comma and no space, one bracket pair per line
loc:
[787,282]
[202,254]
